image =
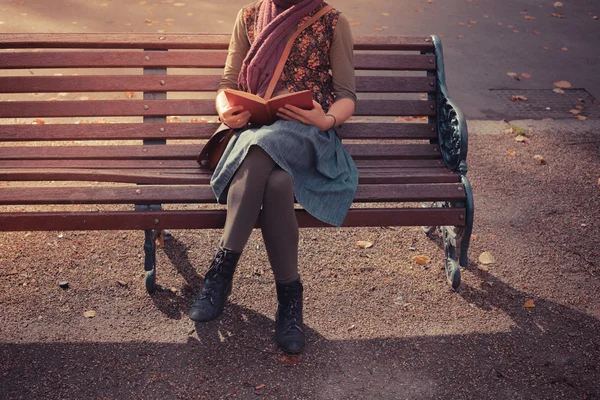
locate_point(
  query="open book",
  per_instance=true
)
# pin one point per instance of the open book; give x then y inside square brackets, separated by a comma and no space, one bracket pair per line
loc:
[264,112]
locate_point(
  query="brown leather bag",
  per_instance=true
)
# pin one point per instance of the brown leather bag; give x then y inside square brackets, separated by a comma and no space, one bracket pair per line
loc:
[213,150]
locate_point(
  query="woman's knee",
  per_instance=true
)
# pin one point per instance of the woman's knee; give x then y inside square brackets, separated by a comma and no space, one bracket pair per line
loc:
[279,182]
[258,157]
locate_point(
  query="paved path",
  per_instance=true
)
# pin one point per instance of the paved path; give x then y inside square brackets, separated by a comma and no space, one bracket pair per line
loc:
[483,39]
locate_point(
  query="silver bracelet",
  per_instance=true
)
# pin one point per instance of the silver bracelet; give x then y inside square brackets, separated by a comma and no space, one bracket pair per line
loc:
[334,120]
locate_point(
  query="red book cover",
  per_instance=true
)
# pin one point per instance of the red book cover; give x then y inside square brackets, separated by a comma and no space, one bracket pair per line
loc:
[264,112]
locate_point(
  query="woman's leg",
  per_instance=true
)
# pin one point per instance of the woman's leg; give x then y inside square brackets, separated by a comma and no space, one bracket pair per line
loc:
[243,205]
[245,198]
[280,232]
[279,226]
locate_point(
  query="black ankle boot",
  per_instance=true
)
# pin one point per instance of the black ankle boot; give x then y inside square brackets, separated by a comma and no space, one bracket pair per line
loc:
[216,287]
[289,332]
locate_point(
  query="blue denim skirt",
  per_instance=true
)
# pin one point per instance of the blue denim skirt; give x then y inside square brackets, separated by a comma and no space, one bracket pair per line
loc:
[325,176]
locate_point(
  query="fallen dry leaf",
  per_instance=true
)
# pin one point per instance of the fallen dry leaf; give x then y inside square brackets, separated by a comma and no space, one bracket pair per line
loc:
[521,139]
[422,260]
[511,153]
[529,17]
[486,258]
[518,98]
[39,121]
[513,75]
[292,359]
[89,314]
[564,48]
[262,385]
[483,268]
[364,244]
[557,15]
[529,304]
[558,4]
[574,112]
[562,84]
[386,14]
[129,95]
[539,159]
[581,117]
[558,90]
[526,75]
[579,107]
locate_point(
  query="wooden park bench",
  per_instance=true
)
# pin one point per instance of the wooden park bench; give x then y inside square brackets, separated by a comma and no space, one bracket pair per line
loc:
[407,138]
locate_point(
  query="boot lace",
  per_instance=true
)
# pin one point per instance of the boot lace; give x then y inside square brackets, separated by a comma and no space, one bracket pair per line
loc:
[215,280]
[291,311]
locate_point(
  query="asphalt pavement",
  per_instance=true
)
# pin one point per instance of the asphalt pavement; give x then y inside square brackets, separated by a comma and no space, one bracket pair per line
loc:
[483,40]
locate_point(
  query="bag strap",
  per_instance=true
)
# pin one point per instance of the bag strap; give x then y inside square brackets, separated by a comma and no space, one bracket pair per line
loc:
[288,48]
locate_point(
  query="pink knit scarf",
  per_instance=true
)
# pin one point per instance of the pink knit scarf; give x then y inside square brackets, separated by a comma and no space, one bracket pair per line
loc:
[274,21]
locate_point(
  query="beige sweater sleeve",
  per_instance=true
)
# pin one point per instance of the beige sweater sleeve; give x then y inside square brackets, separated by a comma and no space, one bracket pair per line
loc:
[238,48]
[341,57]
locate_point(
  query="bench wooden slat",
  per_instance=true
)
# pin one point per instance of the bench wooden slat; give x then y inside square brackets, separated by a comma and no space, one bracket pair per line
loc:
[119,131]
[215,219]
[180,41]
[187,59]
[204,194]
[113,40]
[394,62]
[109,83]
[114,59]
[190,152]
[131,108]
[410,108]
[187,164]
[185,83]
[202,176]
[410,163]
[105,108]
[396,84]
[405,43]
[194,130]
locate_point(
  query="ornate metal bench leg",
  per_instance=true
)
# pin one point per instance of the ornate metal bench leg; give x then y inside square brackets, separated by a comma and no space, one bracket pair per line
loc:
[150,260]
[151,236]
[449,236]
[465,240]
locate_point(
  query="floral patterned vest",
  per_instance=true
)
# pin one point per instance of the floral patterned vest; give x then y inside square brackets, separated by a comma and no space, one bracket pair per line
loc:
[307,67]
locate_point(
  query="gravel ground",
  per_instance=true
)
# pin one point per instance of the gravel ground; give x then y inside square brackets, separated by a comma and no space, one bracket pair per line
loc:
[378,325]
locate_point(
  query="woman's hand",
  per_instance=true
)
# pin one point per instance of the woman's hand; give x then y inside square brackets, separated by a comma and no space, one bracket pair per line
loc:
[315,117]
[233,117]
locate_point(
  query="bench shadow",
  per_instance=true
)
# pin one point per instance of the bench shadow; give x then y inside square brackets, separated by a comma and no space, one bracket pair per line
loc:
[549,352]
[169,303]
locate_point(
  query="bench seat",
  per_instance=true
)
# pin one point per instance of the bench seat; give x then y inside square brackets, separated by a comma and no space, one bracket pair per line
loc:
[408,139]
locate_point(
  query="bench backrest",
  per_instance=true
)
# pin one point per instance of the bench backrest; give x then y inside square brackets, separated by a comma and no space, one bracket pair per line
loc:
[161,79]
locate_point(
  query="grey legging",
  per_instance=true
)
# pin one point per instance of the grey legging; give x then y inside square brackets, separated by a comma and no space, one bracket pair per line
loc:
[259,182]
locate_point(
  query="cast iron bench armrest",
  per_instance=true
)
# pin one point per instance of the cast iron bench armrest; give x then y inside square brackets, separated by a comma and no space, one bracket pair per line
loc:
[452,125]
